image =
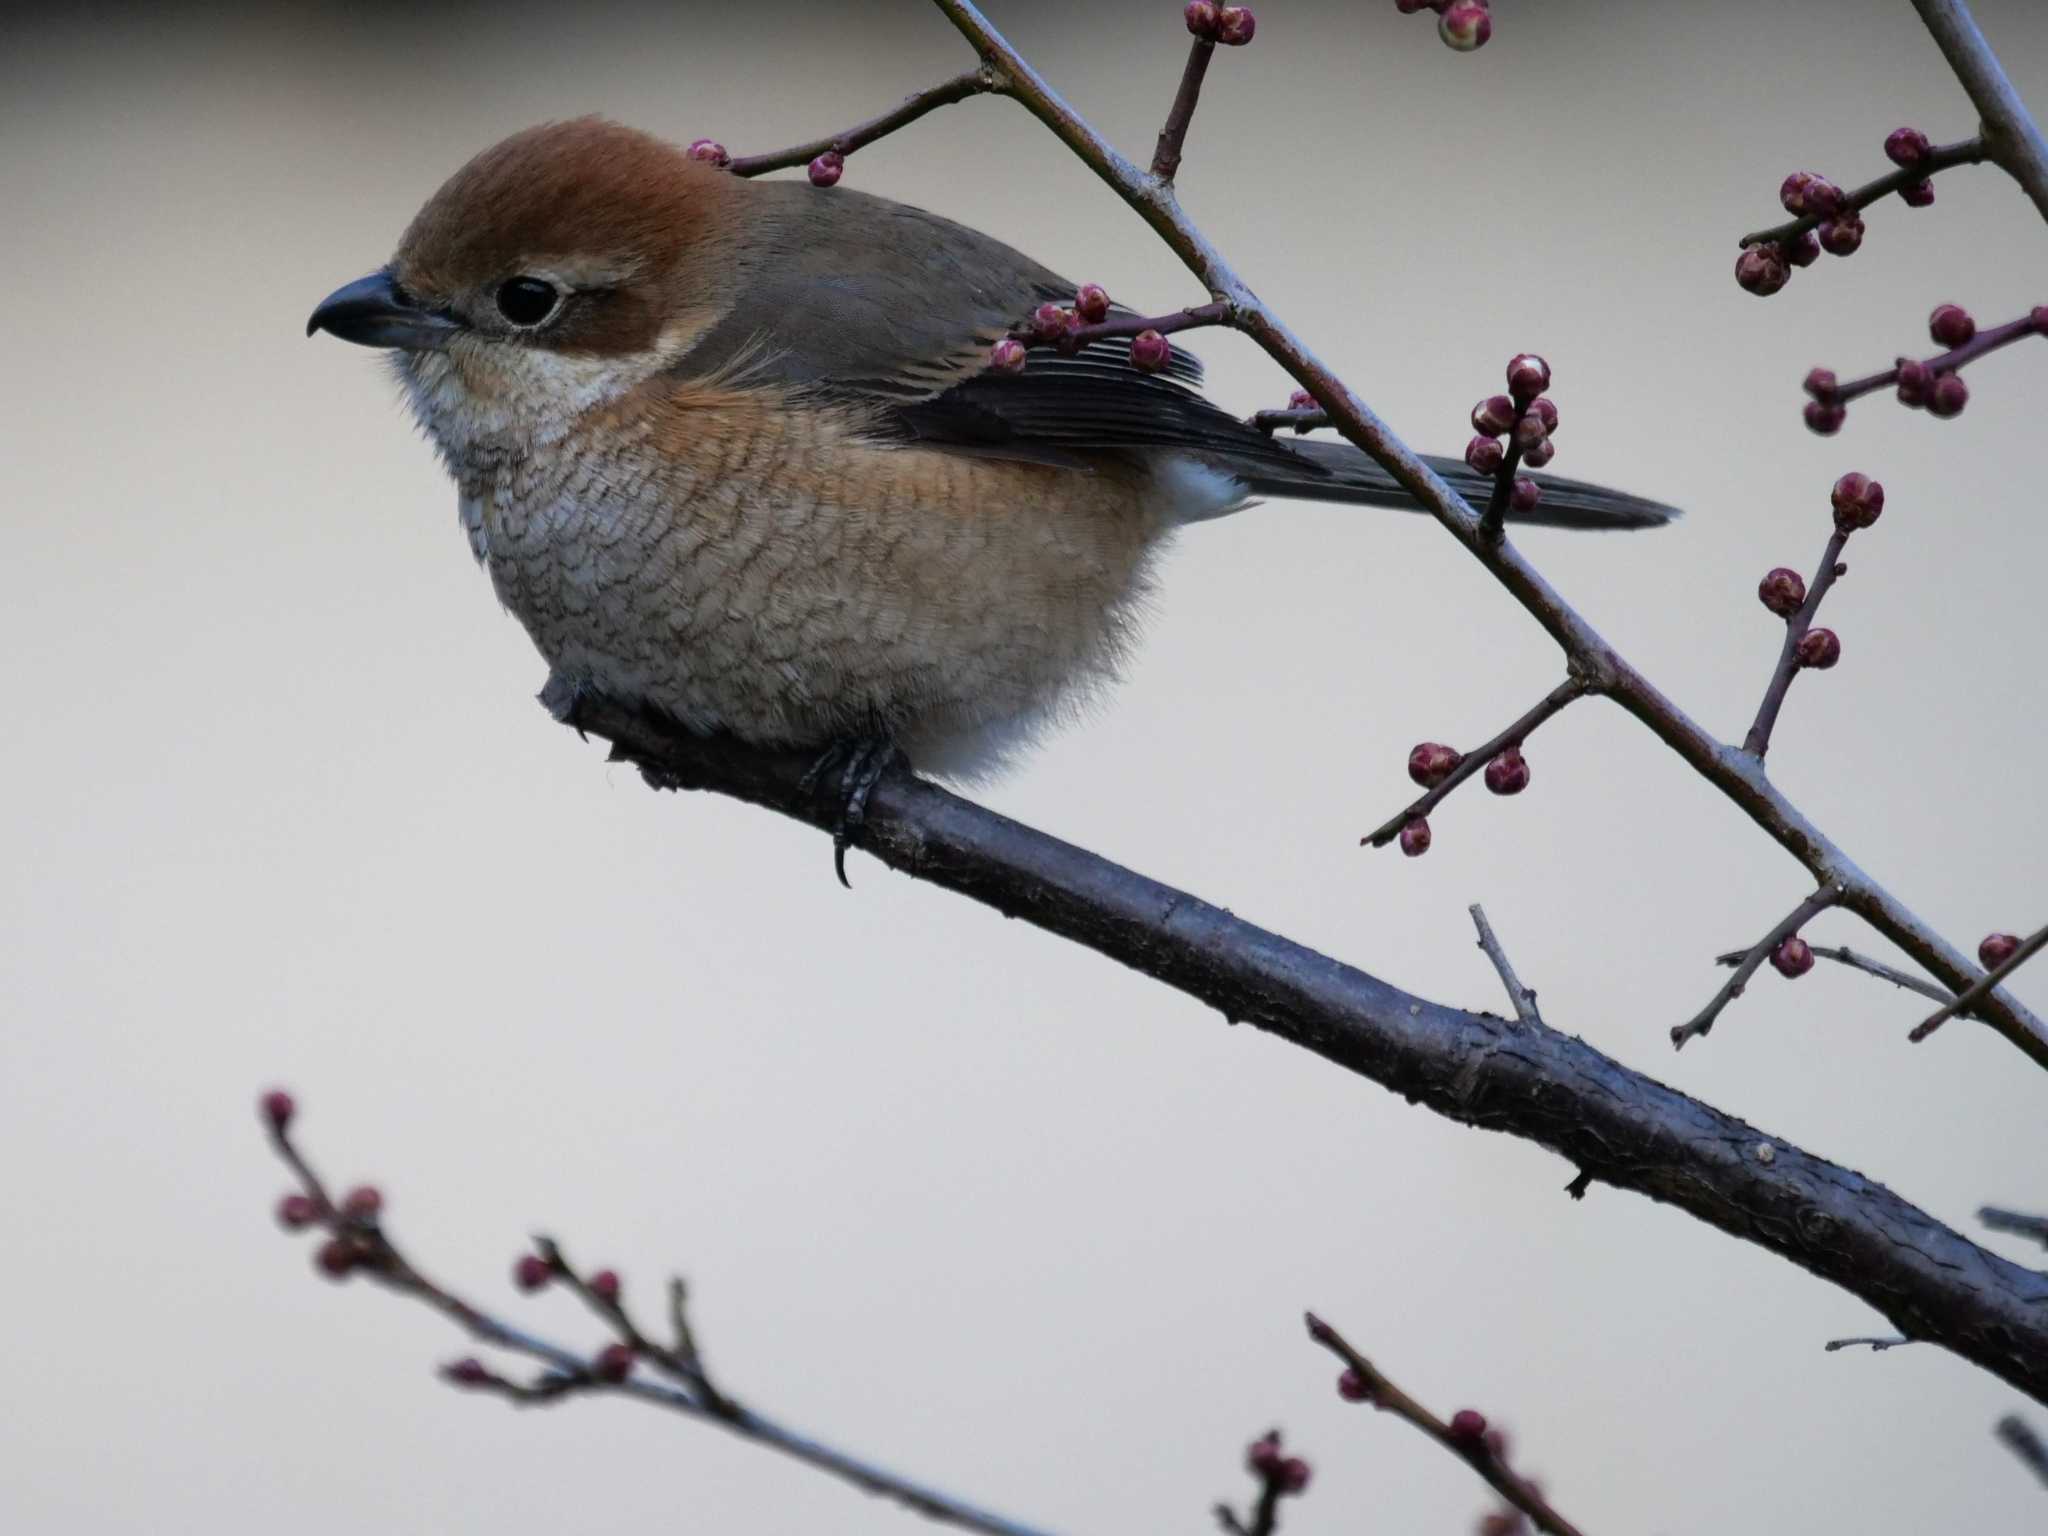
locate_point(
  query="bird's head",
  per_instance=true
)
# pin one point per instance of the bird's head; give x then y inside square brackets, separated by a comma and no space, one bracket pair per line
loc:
[551,274]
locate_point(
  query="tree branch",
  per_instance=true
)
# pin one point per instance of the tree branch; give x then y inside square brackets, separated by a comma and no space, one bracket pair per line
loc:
[1758,741]
[975,82]
[1523,998]
[1529,1080]
[1827,896]
[1166,156]
[2020,1437]
[1841,954]
[1740,779]
[2016,1223]
[2010,133]
[1941,157]
[1974,994]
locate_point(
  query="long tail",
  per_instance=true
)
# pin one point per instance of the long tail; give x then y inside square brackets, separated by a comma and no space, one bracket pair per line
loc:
[1339,472]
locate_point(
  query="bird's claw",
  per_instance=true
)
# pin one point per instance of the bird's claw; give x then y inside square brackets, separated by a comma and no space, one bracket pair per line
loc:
[856,764]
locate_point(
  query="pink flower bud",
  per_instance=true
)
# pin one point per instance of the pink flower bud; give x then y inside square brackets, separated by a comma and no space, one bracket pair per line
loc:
[1793,957]
[1857,500]
[1951,325]
[295,1212]
[1821,383]
[531,1272]
[1906,146]
[1301,400]
[466,1372]
[1996,949]
[1826,416]
[1806,192]
[2039,315]
[1545,409]
[1529,431]
[1263,1457]
[1485,455]
[1235,25]
[1802,250]
[604,1285]
[1508,774]
[1917,194]
[1842,235]
[1150,351]
[1465,25]
[1761,269]
[1431,762]
[1494,415]
[1528,377]
[1293,1475]
[1536,455]
[710,151]
[1524,494]
[1948,397]
[1416,838]
[827,168]
[613,1363]
[338,1257]
[1353,1387]
[1783,591]
[1203,18]
[1091,303]
[363,1202]
[1819,649]
[1916,381]
[1007,356]
[277,1108]
[1049,322]
[1468,1425]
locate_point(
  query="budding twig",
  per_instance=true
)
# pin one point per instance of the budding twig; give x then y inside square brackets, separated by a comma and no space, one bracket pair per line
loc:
[1166,157]
[1703,1021]
[2034,323]
[1758,741]
[1075,336]
[1940,157]
[1970,996]
[975,82]
[370,1251]
[1571,688]
[2018,1223]
[1524,998]
[1841,954]
[1465,1436]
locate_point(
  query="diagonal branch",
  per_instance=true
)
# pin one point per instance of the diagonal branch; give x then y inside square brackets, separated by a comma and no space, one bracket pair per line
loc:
[975,82]
[1590,655]
[1475,761]
[1827,896]
[1529,1080]
[2010,133]
[1842,954]
[1524,998]
[1974,994]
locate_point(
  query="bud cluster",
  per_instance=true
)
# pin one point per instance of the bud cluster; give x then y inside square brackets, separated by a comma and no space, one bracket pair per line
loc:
[1934,384]
[1527,419]
[1462,24]
[1230,25]
[1827,218]
[1059,325]
[1265,1460]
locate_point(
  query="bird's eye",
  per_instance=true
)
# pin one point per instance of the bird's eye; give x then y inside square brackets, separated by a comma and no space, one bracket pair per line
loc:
[526,301]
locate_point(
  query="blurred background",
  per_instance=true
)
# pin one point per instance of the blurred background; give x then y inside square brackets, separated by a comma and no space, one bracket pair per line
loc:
[281,809]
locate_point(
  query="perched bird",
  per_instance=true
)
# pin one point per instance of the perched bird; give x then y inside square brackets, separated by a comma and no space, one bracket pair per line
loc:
[735,450]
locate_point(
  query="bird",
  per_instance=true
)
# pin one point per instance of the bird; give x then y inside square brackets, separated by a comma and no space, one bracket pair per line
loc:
[744,452]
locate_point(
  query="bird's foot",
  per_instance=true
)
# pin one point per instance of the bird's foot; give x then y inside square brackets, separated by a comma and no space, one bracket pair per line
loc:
[849,770]
[565,697]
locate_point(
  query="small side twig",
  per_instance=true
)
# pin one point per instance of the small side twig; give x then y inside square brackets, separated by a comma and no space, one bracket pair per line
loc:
[1524,998]
[974,82]
[1841,954]
[2017,1223]
[1968,998]
[2019,1437]
[1940,157]
[1075,337]
[1703,1021]
[1464,1436]
[1172,136]
[1279,1476]
[1875,1346]
[1296,418]
[1573,687]
[1758,741]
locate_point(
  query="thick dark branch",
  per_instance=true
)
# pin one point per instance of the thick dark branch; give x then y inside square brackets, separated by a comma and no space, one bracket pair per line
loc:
[1827,896]
[1941,157]
[1472,1449]
[1973,995]
[1166,157]
[976,82]
[1758,741]
[2010,132]
[1739,778]
[1529,1080]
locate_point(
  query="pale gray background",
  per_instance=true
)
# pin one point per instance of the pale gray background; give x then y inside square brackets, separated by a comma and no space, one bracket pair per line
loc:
[280,808]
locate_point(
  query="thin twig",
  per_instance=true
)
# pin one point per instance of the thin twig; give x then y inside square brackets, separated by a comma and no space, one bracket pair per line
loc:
[571,1374]
[1970,996]
[975,82]
[1988,340]
[1740,779]
[1875,1346]
[2017,1223]
[1475,761]
[1194,317]
[1841,954]
[2010,133]
[1758,741]
[2019,1437]
[1940,157]
[1297,418]
[1701,1022]
[1473,1450]
[1524,998]
[1166,157]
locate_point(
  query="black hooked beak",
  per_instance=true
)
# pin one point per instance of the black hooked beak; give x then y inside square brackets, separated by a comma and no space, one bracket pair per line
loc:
[374,311]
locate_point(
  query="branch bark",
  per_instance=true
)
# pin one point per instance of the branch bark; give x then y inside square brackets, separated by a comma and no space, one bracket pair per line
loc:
[1526,1079]
[2010,133]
